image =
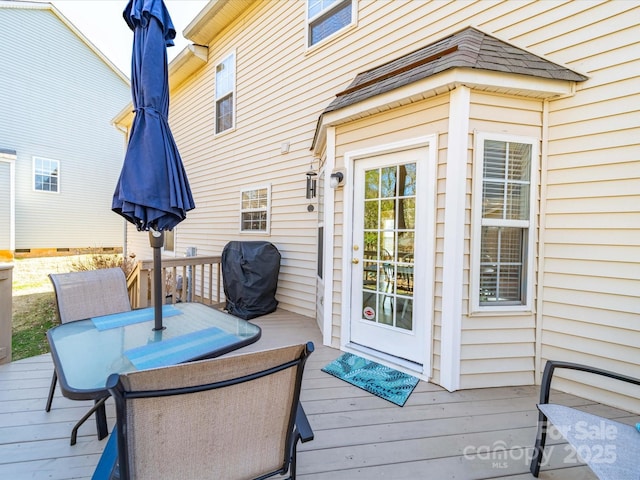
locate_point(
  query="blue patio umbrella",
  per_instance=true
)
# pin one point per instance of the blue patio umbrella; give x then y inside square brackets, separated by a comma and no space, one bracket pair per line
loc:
[153,191]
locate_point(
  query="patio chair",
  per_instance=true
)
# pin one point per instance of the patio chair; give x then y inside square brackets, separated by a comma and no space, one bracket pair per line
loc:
[611,449]
[86,294]
[234,417]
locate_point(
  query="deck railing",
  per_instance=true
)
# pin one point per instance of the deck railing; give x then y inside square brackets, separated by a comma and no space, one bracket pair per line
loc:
[6,302]
[184,279]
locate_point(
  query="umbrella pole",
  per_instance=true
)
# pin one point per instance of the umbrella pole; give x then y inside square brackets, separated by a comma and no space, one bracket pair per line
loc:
[156,239]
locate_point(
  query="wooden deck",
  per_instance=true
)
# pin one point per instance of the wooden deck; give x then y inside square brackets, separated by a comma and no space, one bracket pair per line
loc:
[470,434]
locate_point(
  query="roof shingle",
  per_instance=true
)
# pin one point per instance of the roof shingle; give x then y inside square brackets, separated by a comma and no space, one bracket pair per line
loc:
[468,48]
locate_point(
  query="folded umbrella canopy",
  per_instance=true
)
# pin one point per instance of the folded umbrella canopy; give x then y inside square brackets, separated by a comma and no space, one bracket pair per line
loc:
[153,191]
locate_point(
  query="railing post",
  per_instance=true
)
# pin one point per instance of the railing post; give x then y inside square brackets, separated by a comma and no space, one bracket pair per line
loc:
[144,281]
[6,304]
[140,279]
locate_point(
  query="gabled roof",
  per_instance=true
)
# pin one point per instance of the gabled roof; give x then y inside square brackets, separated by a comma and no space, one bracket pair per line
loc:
[41,5]
[468,48]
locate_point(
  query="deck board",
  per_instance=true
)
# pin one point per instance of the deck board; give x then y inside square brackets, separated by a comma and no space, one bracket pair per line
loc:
[469,434]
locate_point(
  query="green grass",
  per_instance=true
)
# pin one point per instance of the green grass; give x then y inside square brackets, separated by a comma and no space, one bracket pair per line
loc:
[30,324]
[33,310]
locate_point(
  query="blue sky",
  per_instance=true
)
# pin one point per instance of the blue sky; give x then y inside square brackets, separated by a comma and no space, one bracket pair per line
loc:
[102,23]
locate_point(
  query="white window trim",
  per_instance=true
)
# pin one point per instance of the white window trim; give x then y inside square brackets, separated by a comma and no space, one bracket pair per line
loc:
[33,175]
[267,231]
[233,92]
[354,22]
[479,139]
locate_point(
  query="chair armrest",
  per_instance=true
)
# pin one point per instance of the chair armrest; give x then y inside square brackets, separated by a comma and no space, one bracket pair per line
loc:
[302,425]
[552,365]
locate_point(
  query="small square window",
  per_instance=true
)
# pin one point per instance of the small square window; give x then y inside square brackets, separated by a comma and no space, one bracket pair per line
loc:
[46,174]
[255,204]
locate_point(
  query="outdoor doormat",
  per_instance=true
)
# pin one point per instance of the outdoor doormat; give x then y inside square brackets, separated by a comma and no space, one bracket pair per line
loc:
[382,381]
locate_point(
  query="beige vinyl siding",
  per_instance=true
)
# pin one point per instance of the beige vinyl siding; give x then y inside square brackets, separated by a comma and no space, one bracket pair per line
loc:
[588,211]
[439,253]
[591,281]
[281,90]
[498,348]
[270,108]
[338,253]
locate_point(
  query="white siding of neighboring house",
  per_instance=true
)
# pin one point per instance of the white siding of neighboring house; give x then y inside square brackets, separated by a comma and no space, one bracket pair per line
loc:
[587,300]
[58,98]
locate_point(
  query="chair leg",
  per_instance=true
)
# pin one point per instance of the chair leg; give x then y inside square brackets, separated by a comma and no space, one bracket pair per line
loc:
[101,420]
[52,390]
[538,449]
[294,454]
[302,433]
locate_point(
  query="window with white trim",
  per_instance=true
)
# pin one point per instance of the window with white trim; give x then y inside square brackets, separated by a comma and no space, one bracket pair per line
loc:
[255,206]
[46,175]
[225,93]
[326,17]
[503,222]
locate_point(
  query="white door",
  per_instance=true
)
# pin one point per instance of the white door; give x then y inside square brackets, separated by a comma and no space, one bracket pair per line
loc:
[388,254]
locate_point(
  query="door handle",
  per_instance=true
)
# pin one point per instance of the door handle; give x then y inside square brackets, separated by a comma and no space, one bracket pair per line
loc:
[355,261]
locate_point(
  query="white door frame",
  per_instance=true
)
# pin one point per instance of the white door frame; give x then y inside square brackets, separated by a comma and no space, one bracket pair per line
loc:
[429,141]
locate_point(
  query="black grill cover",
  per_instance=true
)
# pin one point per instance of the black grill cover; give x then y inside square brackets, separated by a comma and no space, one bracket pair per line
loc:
[250,278]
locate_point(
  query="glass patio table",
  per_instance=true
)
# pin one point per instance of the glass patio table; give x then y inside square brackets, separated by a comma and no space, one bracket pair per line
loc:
[86,352]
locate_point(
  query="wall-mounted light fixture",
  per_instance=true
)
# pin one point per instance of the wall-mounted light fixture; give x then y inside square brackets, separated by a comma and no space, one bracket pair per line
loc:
[336,179]
[311,182]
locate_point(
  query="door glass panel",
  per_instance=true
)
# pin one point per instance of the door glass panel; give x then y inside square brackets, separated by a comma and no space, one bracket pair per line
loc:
[407,213]
[387,214]
[371,245]
[369,306]
[371,181]
[389,245]
[385,307]
[406,246]
[388,183]
[370,275]
[371,214]
[407,179]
